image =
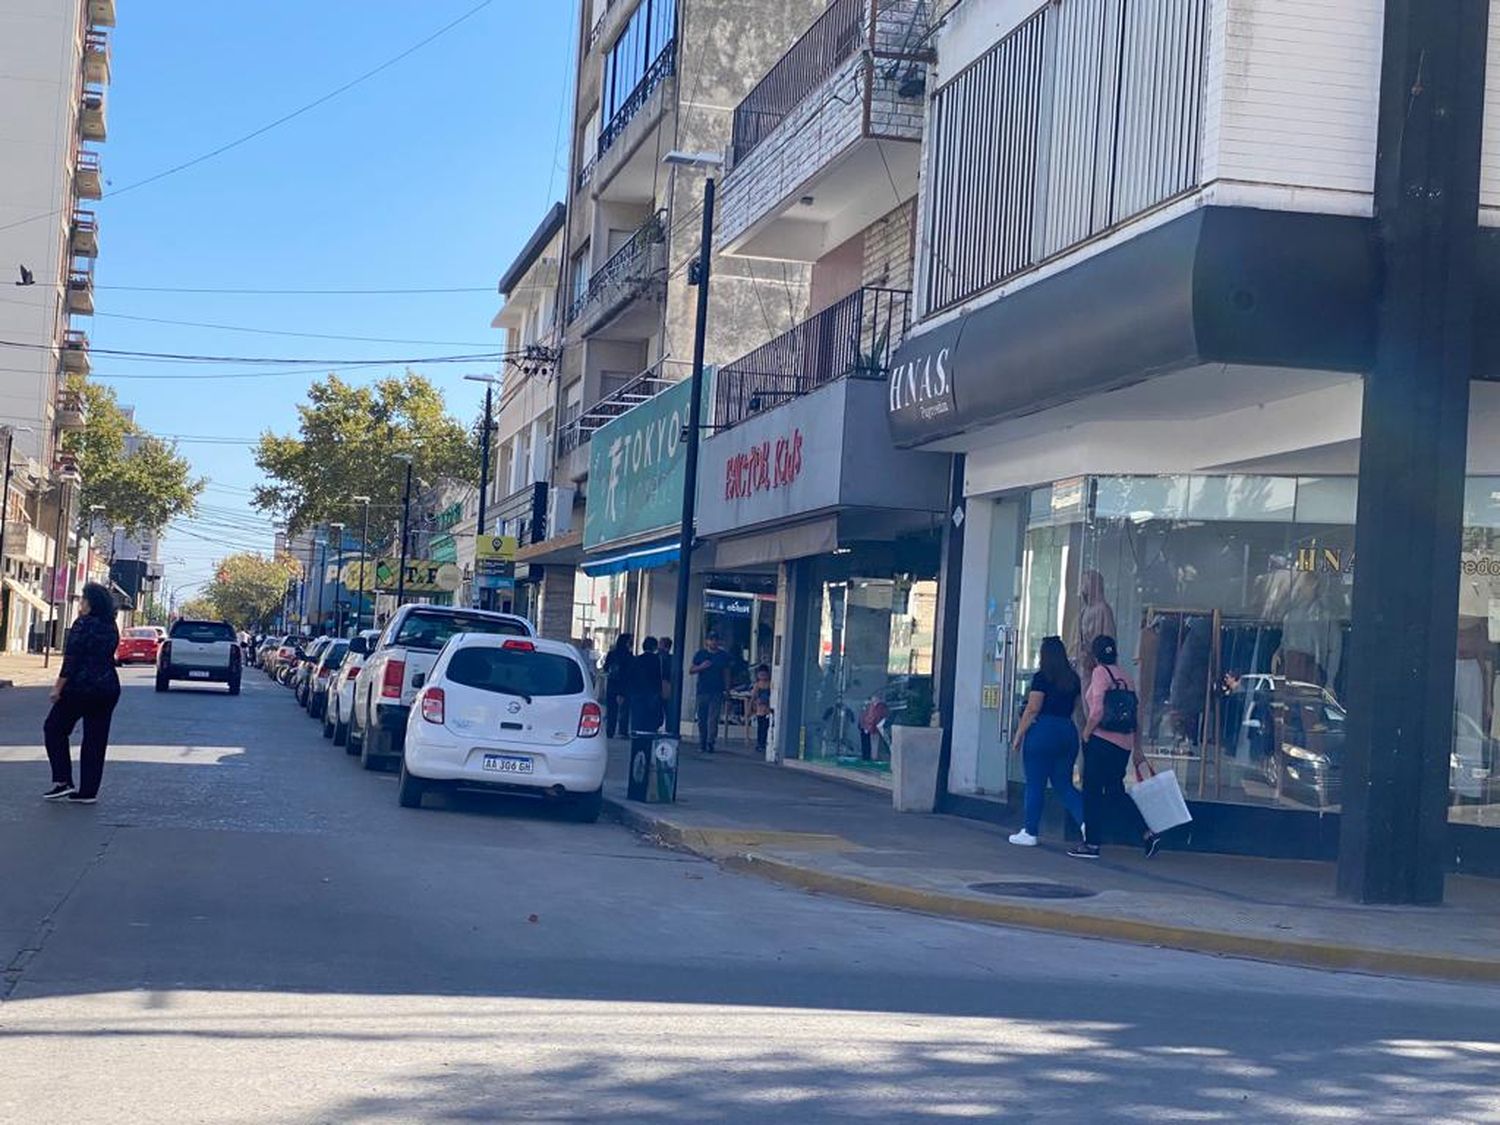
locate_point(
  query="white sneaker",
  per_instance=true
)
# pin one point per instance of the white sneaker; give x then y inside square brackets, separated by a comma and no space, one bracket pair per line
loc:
[1023,839]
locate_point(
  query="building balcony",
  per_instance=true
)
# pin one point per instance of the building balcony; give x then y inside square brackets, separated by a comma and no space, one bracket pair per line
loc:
[573,439]
[75,352]
[25,544]
[101,13]
[91,123]
[88,177]
[854,336]
[83,239]
[829,140]
[71,413]
[96,56]
[624,165]
[81,292]
[625,292]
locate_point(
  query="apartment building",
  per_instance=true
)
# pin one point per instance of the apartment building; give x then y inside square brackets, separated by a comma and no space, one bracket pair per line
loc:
[653,77]
[523,503]
[54,77]
[1150,263]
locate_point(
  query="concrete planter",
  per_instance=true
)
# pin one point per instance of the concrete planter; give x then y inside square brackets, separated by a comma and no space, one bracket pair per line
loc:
[914,767]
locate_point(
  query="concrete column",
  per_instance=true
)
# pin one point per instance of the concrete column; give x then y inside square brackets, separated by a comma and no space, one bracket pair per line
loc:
[554,618]
[1393,845]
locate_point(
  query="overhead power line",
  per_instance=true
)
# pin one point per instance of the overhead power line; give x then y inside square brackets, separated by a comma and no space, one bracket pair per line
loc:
[295,292]
[282,120]
[180,357]
[284,332]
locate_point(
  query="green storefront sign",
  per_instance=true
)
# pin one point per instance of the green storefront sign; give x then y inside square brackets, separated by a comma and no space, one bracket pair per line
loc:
[636,469]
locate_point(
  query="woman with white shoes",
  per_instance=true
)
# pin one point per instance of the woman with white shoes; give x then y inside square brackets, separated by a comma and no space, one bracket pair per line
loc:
[1048,738]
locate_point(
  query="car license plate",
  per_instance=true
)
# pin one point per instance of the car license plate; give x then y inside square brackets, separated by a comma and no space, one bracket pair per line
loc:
[197,674]
[507,763]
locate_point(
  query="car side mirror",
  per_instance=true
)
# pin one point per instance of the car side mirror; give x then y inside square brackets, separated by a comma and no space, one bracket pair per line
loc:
[419,679]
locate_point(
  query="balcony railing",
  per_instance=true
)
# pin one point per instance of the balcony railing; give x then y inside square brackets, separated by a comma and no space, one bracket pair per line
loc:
[598,28]
[102,13]
[631,263]
[831,40]
[75,352]
[662,68]
[81,291]
[72,412]
[91,122]
[645,386]
[96,55]
[85,234]
[854,336]
[88,176]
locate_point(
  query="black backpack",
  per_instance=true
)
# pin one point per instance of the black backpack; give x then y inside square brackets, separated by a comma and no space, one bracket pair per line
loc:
[1120,707]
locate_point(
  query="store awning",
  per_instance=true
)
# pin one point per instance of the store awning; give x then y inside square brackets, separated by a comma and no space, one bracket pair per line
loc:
[34,600]
[795,541]
[647,556]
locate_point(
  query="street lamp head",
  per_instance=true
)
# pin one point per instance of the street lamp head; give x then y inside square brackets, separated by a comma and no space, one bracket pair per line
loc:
[406,457]
[483,378]
[706,161]
[335,526]
[360,499]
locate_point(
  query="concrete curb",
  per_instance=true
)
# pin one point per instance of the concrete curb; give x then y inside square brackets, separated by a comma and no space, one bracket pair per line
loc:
[710,844]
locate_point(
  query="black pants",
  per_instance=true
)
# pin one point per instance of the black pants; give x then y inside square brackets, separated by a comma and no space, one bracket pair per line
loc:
[96,711]
[762,731]
[616,713]
[646,713]
[1105,801]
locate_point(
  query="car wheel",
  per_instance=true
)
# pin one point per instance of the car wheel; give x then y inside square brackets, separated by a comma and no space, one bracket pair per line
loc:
[327,724]
[584,808]
[413,789]
[341,737]
[372,757]
[161,682]
[234,685]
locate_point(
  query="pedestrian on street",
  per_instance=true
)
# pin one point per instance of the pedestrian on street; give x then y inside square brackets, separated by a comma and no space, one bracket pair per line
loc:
[1048,738]
[1107,750]
[646,710]
[87,688]
[711,666]
[617,686]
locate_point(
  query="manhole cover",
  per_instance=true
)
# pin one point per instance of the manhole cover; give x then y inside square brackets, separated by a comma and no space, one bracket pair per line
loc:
[1031,890]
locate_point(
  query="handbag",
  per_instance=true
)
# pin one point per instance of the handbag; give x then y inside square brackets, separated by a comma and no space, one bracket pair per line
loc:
[1160,799]
[1121,707]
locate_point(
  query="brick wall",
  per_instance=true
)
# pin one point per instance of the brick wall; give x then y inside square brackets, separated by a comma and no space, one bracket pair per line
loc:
[888,248]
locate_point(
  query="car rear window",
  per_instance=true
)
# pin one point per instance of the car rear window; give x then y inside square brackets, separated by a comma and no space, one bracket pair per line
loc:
[202,632]
[513,672]
[432,630]
[141,634]
[335,655]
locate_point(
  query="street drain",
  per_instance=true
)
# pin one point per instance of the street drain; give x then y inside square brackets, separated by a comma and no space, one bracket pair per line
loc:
[1031,890]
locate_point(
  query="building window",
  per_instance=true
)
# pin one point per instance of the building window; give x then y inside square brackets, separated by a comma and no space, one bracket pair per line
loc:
[632,60]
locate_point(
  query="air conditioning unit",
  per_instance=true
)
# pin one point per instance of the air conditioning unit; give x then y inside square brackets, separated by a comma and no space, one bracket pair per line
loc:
[559,511]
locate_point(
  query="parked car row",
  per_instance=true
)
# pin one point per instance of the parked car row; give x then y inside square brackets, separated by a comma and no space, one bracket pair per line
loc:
[455,699]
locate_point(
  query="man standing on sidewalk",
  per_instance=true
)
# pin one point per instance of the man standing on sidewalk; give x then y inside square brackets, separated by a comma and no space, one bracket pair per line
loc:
[711,666]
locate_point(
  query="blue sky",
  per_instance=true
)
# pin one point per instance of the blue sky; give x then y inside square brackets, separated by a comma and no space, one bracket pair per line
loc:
[430,175]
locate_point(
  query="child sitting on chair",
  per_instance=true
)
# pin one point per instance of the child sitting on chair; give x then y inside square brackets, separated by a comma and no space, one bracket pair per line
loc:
[760,705]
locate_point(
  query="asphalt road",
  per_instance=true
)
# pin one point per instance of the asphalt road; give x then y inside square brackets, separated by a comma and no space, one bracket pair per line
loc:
[248,929]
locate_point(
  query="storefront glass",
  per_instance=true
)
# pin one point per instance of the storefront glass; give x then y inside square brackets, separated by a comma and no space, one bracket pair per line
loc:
[1230,599]
[871,647]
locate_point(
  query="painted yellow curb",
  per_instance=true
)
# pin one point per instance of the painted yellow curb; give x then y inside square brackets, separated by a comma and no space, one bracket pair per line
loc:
[1186,938]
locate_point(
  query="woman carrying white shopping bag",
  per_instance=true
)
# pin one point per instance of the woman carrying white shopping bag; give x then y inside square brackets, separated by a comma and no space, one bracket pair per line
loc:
[1111,742]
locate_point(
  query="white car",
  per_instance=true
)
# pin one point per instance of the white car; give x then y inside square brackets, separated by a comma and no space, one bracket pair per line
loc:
[341,694]
[507,714]
[407,649]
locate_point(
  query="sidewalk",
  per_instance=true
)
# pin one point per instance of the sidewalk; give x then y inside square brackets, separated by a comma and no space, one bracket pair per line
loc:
[834,837]
[23,669]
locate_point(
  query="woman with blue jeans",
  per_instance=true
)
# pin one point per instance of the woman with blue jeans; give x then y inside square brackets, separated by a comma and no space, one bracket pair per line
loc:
[1048,738]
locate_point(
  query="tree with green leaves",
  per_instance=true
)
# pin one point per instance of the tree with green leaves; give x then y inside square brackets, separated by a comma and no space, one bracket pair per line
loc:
[249,589]
[347,444]
[200,608]
[142,484]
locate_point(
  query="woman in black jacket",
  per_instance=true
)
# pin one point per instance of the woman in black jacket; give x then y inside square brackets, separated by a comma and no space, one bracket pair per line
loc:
[87,688]
[617,667]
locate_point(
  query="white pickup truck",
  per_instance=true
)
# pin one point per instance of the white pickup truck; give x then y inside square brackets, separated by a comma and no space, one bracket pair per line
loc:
[202,652]
[404,653]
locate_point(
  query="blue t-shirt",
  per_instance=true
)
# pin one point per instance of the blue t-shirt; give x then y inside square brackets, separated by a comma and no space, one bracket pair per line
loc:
[713,680]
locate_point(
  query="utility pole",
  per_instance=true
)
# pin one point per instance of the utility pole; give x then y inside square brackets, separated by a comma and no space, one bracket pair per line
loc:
[338,574]
[484,456]
[321,546]
[405,531]
[364,538]
[10,443]
[57,562]
[699,276]
[1393,835]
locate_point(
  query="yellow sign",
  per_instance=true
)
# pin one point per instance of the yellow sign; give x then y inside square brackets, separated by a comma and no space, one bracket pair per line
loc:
[501,547]
[423,576]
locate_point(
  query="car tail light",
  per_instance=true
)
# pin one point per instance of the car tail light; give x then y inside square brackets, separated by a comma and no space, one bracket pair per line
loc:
[324,673]
[391,681]
[432,705]
[519,646]
[353,673]
[590,721]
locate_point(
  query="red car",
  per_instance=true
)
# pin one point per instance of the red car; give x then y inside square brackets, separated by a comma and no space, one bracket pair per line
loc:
[139,644]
